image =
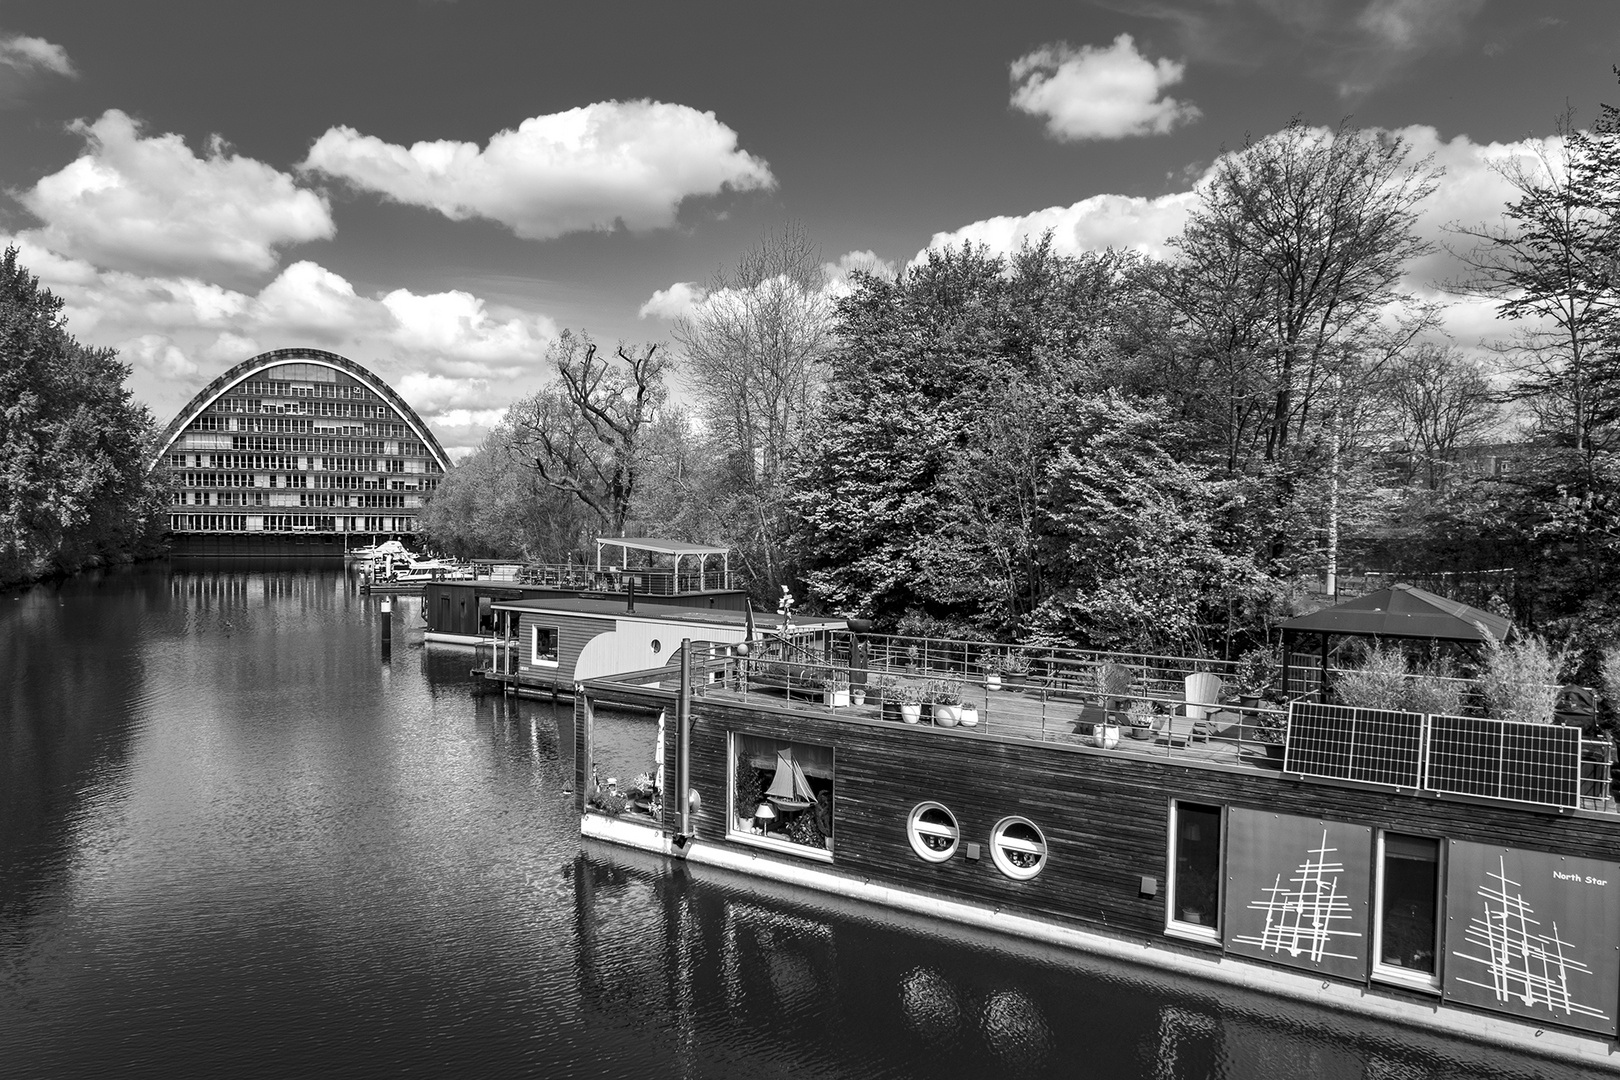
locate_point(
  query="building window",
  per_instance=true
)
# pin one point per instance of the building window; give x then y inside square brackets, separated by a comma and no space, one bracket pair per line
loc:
[933,832]
[782,795]
[1018,848]
[1195,870]
[1407,931]
[543,645]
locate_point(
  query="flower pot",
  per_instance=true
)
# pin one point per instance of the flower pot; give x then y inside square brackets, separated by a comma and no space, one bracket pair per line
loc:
[1249,701]
[970,716]
[1142,731]
[992,682]
[837,699]
[1105,735]
[947,715]
[858,695]
[911,714]
[889,710]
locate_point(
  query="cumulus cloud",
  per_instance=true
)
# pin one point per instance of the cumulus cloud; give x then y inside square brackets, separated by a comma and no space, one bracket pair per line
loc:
[148,204]
[158,355]
[23,60]
[679,301]
[591,168]
[1099,93]
[1101,221]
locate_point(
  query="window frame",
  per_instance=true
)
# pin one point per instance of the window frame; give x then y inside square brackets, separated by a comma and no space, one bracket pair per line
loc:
[915,826]
[997,856]
[535,658]
[1206,933]
[1391,974]
[771,843]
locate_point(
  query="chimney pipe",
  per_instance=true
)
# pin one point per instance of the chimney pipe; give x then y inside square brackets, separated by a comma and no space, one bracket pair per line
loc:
[630,602]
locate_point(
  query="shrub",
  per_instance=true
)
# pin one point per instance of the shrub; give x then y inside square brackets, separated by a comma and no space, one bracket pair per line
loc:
[1519,681]
[1378,682]
[1435,690]
[1113,680]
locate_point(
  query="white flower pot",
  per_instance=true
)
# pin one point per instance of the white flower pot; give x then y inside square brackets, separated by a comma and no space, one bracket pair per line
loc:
[992,682]
[970,716]
[947,715]
[911,714]
[838,699]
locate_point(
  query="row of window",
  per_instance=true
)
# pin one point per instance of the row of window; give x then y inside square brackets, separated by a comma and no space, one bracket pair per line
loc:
[277,388]
[294,463]
[287,523]
[1017,845]
[295,426]
[304,444]
[1406,893]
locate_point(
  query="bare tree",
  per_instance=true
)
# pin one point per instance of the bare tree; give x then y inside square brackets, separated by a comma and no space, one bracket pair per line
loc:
[753,354]
[586,433]
[1441,400]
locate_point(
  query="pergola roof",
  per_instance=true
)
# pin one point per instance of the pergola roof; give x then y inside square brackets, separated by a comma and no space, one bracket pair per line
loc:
[662,547]
[1404,611]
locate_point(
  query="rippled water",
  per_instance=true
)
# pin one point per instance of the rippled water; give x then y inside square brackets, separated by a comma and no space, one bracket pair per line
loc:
[235,840]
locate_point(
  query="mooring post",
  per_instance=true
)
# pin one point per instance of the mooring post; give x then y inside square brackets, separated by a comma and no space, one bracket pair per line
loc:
[387,627]
[683,724]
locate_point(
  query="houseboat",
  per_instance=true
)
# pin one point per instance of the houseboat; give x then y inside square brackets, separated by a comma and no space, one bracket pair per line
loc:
[1455,873]
[630,611]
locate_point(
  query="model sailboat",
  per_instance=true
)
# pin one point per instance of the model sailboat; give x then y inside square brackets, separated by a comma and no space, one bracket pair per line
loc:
[790,788]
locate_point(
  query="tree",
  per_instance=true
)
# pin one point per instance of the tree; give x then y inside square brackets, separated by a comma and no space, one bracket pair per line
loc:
[585,433]
[1440,401]
[492,506]
[1286,279]
[74,488]
[754,353]
[1550,265]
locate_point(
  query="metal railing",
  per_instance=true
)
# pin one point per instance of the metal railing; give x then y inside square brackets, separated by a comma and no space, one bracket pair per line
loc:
[649,582]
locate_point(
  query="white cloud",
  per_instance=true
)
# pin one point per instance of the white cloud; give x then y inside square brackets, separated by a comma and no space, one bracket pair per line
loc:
[589,168]
[159,356]
[456,326]
[440,394]
[1102,221]
[149,204]
[679,301]
[28,55]
[1099,93]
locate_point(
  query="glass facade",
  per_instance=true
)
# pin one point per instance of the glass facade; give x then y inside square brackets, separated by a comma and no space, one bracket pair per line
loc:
[313,445]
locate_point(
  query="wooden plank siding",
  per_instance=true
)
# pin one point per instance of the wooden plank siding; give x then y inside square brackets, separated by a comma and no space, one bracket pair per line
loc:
[1105,815]
[573,633]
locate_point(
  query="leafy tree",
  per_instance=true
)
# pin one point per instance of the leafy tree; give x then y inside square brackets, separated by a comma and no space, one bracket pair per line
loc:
[491,506]
[74,488]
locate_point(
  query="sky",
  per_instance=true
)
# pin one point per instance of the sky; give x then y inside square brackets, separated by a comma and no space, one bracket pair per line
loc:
[437,188]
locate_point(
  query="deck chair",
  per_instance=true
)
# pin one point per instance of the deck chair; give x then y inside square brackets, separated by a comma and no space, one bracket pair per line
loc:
[1191,721]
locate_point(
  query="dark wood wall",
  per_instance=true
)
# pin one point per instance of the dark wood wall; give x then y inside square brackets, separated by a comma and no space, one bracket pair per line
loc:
[1105,814]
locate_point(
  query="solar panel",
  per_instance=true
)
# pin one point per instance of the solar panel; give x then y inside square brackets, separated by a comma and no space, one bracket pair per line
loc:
[1373,746]
[1503,759]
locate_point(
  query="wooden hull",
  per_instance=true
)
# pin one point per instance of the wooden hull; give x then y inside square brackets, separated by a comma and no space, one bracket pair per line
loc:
[1106,818]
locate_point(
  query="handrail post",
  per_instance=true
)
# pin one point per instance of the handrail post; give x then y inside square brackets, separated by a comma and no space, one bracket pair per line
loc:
[683,753]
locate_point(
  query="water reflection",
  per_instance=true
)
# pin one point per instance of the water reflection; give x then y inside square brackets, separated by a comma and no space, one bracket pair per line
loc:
[235,840]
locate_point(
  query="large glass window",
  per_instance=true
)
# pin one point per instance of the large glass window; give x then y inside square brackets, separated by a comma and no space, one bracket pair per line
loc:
[1195,869]
[782,794]
[1408,927]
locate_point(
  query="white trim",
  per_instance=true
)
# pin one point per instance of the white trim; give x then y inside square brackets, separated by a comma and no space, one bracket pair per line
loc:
[1390,973]
[1210,935]
[998,841]
[1279,983]
[915,827]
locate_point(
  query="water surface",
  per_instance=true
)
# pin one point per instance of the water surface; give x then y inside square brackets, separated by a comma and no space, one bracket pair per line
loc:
[236,839]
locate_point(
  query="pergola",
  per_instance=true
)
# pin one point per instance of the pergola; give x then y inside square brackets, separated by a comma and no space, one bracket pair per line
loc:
[675,549]
[1400,611]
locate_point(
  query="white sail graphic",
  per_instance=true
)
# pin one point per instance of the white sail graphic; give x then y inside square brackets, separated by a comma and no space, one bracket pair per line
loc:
[1309,915]
[1521,962]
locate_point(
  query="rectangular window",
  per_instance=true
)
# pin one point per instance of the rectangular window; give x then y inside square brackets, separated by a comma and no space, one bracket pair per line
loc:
[1406,934]
[543,645]
[1194,890]
[781,796]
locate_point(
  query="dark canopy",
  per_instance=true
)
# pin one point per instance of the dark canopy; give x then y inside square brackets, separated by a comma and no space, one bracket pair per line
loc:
[1404,611]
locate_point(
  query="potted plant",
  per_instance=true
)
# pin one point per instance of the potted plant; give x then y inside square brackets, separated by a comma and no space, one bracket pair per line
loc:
[836,690]
[1114,687]
[1141,718]
[857,694]
[993,665]
[885,689]
[946,695]
[1014,667]
[1256,670]
[1271,729]
[908,695]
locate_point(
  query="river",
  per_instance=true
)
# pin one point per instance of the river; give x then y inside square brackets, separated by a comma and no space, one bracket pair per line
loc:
[238,840]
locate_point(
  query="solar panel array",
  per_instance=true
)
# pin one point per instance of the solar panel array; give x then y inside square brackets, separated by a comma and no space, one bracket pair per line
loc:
[1372,746]
[1501,759]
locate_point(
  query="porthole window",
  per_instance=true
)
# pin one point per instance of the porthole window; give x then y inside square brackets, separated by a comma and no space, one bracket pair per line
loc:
[933,832]
[1018,848]
[657,646]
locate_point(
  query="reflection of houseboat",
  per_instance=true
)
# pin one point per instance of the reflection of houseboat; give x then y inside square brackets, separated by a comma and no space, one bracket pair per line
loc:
[1454,873]
[629,612]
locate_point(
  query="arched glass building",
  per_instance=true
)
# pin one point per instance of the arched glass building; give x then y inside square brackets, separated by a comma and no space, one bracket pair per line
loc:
[297,442]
